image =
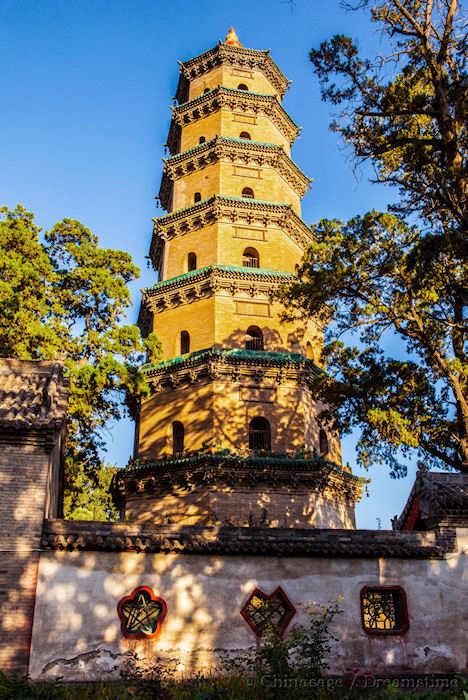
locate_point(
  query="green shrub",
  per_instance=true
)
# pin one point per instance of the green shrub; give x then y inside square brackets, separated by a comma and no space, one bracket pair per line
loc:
[290,666]
[216,687]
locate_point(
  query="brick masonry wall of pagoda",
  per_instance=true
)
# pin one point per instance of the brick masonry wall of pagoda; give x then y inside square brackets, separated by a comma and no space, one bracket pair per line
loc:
[229,133]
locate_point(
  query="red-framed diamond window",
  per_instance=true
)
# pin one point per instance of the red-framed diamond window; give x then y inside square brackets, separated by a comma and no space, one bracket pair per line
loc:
[384,610]
[261,610]
[141,613]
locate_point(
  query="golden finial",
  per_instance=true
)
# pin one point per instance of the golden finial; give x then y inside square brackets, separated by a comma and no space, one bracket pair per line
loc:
[232,38]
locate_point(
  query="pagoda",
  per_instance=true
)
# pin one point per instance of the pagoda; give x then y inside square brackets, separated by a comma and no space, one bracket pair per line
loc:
[230,433]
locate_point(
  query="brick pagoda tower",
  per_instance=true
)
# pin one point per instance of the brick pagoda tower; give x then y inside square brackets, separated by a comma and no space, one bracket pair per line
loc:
[229,434]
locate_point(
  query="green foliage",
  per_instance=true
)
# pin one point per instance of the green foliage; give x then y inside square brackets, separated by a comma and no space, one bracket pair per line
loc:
[26,279]
[14,687]
[297,661]
[377,275]
[310,644]
[64,297]
[371,275]
[405,110]
[217,687]
[88,495]
[301,655]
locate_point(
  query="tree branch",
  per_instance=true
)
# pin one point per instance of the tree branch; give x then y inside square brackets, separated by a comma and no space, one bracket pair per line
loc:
[442,55]
[410,18]
[428,20]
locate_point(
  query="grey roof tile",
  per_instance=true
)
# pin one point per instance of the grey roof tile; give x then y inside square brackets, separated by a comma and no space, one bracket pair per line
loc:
[33,394]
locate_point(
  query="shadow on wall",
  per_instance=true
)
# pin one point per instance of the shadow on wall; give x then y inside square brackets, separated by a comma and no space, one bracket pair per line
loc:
[24,468]
[223,504]
[77,631]
[222,416]
[221,413]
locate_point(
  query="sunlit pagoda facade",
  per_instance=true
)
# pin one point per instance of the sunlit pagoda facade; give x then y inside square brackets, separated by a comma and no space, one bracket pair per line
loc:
[229,434]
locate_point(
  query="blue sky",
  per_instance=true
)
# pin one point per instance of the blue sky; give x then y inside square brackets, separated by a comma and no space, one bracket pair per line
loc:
[86,91]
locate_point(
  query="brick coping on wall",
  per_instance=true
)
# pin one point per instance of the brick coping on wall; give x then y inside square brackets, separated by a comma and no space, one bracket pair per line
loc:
[228,540]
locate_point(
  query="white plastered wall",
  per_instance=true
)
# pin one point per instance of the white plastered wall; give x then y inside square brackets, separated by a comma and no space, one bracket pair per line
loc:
[77,635]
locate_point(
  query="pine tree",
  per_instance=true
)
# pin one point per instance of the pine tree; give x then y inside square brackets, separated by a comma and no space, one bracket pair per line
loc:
[64,297]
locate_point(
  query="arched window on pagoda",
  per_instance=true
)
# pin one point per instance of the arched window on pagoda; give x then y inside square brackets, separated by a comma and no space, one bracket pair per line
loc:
[254,338]
[245,135]
[184,342]
[309,351]
[191,262]
[248,193]
[242,86]
[259,434]
[250,258]
[197,197]
[323,443]
[202,139]
[177,438]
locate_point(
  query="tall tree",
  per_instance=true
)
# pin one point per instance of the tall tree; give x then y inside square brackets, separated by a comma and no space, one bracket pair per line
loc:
[365,276]
[26,276]
[64,297]
[405,273]
[405,111]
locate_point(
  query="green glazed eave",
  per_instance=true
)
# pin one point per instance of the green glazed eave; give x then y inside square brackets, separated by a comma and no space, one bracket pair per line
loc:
[193,274]
[297,461]
[225,139]
[263,356]
[199,99]
[221,197]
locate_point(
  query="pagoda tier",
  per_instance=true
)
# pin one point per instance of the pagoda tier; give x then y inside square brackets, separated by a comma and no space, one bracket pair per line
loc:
[227,66]
[225,298]
[229,164]
[216,392]
[200,489]
[223,110]
[234,384]
[220,228]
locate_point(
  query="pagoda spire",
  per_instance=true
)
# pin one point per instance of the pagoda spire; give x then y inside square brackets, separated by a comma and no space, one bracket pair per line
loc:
[231,38]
